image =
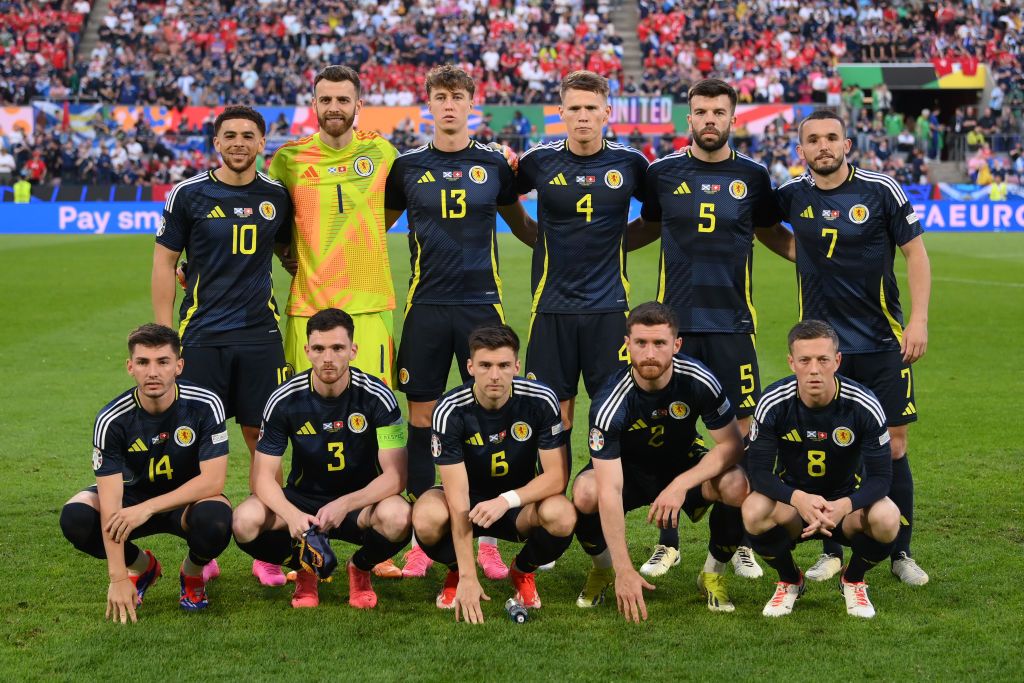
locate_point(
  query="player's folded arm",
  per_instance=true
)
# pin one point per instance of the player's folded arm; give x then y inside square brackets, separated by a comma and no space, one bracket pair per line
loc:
[761,456]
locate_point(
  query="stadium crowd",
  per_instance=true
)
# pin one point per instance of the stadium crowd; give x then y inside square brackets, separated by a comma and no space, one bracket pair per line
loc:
[264,51]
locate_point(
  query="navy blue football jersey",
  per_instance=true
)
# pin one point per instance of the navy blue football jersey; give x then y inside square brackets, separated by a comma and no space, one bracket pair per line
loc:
[452,200]
[500,448]
[158,453]
[846,240]
[228,233]
[708,213]
[579,261]
[335,441]
[839,450]
[654,431]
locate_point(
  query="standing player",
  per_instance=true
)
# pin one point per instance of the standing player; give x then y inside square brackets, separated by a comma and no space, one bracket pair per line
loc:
[348,465]
[819,465]
[453,189]
[336,179]
[847,223]
[708,202]
[584,186]
[160,459]
[498,442]
[642,426]
[229,221]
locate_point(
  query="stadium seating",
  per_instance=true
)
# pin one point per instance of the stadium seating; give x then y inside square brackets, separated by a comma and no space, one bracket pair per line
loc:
[37,48]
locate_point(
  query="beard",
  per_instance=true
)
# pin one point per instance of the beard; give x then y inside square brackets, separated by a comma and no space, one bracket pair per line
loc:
[651,370]
[238,167]
[715,145]
[334,126]
[827,166]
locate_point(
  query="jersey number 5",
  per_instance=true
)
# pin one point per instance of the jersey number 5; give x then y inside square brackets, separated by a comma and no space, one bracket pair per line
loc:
[707,210]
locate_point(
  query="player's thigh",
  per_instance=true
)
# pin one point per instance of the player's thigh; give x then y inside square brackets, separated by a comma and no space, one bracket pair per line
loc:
[465,319]
[552,352]
[295,344]
[425,353]
[889,379]
[391,514]
[210,368]
[253,516]
[375,339]
[257,370]
[732,359]
[601,348]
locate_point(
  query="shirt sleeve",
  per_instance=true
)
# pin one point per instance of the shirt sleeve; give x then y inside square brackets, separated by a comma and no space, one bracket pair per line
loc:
[767,211]
[212,433]
[176,224]
[876,454]
[387,421]
[284,228]
[507,193]
[904,223]
[715,409]
[761,453]
[525,178]
[108,449]
[446,438]
[551,433]
[273,438]
[394,188]
[641,169]
[604,440]
[652,203]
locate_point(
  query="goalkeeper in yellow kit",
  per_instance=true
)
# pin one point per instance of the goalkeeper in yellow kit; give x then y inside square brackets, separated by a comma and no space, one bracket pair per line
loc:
[336,180]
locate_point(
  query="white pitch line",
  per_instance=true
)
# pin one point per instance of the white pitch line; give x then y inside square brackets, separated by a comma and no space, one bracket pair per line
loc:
[992,283]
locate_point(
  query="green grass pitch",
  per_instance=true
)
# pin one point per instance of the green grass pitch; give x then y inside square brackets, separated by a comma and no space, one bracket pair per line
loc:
[72,300]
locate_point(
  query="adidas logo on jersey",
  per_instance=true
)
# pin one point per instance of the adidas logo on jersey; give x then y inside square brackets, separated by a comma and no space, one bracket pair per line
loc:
[910,410]
[807,213]
[216,213]
[310,173]
[682,189]
[138,447]
[306,430]
[427,177]
[558,180]
[639,424]
[475,440]
[748,402]
[793,436]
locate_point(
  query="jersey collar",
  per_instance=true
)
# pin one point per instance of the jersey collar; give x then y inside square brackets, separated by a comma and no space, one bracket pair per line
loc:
[138,403]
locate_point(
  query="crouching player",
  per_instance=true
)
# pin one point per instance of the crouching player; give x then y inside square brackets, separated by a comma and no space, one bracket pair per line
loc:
[160,459]
[488,437]
[643,426]
[815,435]
[348,465]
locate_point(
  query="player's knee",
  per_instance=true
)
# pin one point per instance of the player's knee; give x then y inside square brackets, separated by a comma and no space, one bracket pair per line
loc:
[393,518]
[209,523]
[584,494]
[557,516]
[430,517]
[245,521]
[733,487]
[79,522]
[757,511]
[884,521]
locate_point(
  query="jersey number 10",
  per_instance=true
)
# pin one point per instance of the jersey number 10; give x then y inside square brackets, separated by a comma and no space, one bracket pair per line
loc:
[243,239]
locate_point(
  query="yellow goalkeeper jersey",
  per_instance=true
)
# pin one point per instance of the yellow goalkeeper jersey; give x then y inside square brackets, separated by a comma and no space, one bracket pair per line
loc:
[339,236]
